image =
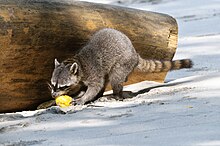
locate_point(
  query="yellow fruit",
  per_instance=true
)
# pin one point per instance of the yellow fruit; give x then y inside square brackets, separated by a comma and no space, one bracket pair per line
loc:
[63,100]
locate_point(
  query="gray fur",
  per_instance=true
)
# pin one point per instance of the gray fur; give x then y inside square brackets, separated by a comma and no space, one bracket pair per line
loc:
[109,56]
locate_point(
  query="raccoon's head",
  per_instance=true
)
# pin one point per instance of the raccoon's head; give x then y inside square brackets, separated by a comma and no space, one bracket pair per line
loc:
[63,77]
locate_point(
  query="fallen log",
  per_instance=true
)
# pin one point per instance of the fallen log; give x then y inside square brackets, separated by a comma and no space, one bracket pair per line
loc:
[34,32]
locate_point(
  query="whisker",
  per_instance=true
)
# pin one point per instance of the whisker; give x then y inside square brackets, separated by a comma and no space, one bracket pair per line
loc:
[50,87]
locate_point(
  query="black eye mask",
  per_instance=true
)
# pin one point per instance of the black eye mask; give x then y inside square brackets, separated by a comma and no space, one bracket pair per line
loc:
[63,88]
[54,89]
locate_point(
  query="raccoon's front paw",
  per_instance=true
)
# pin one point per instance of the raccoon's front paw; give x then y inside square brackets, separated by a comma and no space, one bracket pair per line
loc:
[78,102]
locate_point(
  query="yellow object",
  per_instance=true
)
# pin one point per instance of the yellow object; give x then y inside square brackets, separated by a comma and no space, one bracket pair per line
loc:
[63,100]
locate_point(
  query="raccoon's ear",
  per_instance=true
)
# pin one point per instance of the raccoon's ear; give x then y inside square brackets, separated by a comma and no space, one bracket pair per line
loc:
[74,68]
[56,63]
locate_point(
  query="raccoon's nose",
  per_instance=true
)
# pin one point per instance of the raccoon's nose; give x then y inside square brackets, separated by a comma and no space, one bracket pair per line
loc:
[55,94]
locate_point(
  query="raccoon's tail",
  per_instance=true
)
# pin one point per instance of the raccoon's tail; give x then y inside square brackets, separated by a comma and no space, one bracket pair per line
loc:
[154,66]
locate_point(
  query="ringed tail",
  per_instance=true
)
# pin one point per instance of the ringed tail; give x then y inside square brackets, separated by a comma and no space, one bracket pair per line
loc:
[154,66]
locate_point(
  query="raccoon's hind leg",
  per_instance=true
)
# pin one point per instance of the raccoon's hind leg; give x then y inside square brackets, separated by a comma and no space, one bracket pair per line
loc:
[117,77]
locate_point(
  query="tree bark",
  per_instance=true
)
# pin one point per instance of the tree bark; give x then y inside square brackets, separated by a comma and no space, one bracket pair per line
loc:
[34,32]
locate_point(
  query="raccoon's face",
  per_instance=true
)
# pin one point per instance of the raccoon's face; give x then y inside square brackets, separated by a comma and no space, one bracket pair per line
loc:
[63,77]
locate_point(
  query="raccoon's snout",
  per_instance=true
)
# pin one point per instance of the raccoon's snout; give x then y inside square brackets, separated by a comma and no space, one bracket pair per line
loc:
[56,94]
[59,92]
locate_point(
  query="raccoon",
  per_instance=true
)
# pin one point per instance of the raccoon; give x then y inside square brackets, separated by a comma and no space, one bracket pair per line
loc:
[109,56]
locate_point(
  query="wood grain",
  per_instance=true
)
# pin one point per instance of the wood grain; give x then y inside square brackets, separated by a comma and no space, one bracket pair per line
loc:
[34,32]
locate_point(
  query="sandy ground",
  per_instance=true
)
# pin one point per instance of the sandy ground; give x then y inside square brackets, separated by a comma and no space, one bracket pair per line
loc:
[184,111]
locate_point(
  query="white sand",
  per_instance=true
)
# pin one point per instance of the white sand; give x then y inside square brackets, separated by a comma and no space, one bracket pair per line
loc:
[185,111]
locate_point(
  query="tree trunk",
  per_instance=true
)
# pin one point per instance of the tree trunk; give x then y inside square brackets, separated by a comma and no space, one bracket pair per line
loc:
[34,32]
